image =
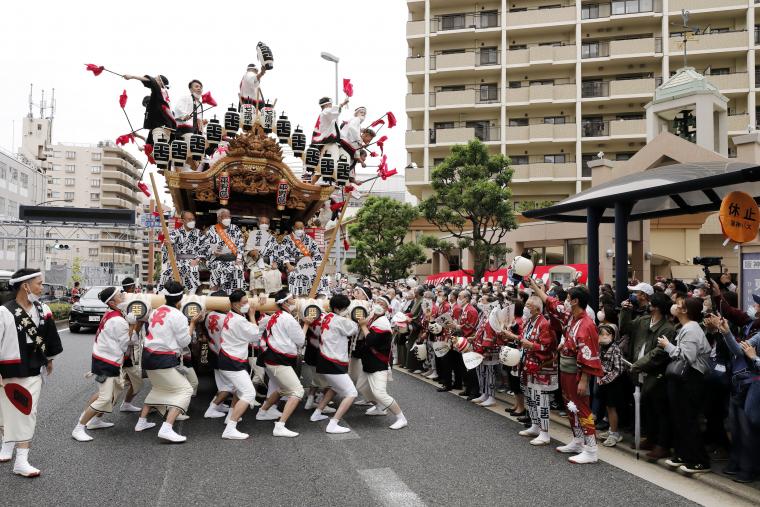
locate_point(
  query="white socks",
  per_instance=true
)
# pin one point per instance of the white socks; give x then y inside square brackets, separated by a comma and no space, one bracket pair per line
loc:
[22,466]
[334,427]
[6,451]
[79,434]
[317,416]
[401,422]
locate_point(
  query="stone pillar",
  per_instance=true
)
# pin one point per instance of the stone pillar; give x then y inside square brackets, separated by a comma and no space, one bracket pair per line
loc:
[748,147]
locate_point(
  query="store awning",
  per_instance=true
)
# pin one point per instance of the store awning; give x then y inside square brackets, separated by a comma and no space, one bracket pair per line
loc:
[461,277]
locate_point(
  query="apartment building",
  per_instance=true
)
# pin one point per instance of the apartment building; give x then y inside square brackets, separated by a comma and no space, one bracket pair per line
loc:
[554,83]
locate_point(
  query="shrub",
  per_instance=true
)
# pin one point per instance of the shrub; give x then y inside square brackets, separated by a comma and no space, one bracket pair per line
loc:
[60,310]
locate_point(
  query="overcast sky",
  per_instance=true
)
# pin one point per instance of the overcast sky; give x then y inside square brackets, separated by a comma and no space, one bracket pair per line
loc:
[48,42]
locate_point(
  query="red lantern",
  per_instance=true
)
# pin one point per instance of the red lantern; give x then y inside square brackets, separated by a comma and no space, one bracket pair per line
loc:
[224,187]
[283,189]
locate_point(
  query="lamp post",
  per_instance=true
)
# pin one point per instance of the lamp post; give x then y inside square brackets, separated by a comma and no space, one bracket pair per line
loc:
[332,58]
[26,232]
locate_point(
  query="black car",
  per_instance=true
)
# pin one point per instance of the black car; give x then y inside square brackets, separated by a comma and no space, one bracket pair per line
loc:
[88,311]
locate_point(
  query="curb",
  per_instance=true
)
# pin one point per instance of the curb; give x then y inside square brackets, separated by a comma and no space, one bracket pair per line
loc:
[713,479]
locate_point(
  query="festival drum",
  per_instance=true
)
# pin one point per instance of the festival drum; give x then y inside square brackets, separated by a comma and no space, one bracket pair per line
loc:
[179,153]
[267,118]
[343,171]
[247,116]
[197,147]
[231,122]
[298,142]
[283,129]
[266,58]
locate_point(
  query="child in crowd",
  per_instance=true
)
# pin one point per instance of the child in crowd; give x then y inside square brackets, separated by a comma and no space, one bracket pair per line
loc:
[611,387]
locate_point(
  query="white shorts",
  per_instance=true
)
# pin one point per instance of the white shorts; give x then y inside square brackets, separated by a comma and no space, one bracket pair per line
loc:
[242,384]
[341,384]
[221,383]
[374,387]
[284,380]
[108,391]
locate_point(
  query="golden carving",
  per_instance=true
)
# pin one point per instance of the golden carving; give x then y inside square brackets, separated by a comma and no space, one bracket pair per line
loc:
[206,195]
[255,144]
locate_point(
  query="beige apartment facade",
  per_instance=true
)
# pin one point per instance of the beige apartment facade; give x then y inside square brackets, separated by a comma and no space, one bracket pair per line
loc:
[552,84]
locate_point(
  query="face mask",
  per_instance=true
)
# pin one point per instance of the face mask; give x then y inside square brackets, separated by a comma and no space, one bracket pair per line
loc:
[674,310]
[190,224]
[600,316]
[634,299]
[568,306]
[526,313]
[668,292]
[697,293]
[33,298]
[245,308]
[481,306]
[298,233]
[263,227]
[378,310]
[752,312]
[226,222]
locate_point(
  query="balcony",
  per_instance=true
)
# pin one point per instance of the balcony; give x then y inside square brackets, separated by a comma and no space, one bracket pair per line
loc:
[468,21]
[614,128]
[119,178]
[464,134]
[540,131]
[465,59]
[541,93]
[735,81]
[708,42]
[414,175]
[415,138]
[621,48]
[415,101]
[415,64]
[619,8]
[543,171]
[415,29]
[695,5]
[541,54]
[549,16]
[115,202]
[618,88]
[469,97]
[738,123]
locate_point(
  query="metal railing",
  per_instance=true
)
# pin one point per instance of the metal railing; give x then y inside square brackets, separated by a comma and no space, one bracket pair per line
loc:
[601,48]
[519,160]
[544,120]
[619,8]
[480,57]
[592,89]
[465,20]
[484,133]
[480,95]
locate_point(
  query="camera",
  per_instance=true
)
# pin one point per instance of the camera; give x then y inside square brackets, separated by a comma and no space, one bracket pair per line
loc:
[706,262]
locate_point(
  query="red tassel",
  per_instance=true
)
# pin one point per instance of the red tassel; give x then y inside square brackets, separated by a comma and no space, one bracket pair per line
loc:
[155,214]
[336,206]
[206,98]
[123,99]
[161,237]
[391,119]
[177,222]
[376,123]
[346,246]
[95,69]
[372,154]
[127,138]
[348,88]
[144,188]
[388,174]
[381,143]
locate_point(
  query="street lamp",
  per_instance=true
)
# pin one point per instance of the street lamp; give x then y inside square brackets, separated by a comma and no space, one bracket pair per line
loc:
[26,232]
[332,58]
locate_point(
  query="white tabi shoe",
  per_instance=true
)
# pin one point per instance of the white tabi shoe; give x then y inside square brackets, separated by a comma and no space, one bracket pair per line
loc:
[223,408]
[533,431]
[143,424]
[433,376]
[231,432]
[6,451]
[128,407]
[542,439]
[167,433]
[79,434]
[401,422]
[488,402]
[587,456]
[213,412]
[22,467]
[281,431]
[96,423]
[317,416]
[328,410]
[375,411]
[182,417]
[266,415]
[417,372]
[573,447]
[334,427]
[360,402]
[479,399]
[309,403]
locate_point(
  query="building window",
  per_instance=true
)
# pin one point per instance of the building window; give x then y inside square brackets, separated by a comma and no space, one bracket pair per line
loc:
[489,56]
[69,196]
[69,182]
[558,158]
[54,195]
[489,92]
[489,19]
[2,205]
[517,47]
[97,156]
[438,161]
[71,168]
[95,183]
[95,196]
[440,125]
[56,167]
[3,171]
[95,169]
[554,120]
[24,180]
[12,209]
[71,155]
[515,84]
[518,159]
[720,72]
[93,252]
[14,175]
[518,122]
[623,156]
[452,22]
[452,88]
[590,11]
[541,82]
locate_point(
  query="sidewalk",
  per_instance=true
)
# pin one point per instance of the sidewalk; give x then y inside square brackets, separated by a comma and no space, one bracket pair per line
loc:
[742,492]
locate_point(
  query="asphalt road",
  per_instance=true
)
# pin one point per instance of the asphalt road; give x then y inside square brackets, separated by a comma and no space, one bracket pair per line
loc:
[452,453]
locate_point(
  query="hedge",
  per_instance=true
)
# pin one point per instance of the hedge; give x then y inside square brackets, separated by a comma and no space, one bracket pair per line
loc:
[60,310]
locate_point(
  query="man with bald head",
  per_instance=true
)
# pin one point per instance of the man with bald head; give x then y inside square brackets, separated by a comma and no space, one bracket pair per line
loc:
[189,246]
[224,253]
[299,256]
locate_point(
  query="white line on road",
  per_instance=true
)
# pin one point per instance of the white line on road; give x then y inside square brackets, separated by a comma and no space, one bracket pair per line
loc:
[390,491]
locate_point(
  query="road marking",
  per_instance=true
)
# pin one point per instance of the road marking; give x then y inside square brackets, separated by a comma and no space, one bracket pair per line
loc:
[386,487]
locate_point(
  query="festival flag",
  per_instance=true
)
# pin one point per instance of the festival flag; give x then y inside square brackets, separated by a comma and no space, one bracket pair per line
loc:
[95,69]
[388,173]
[381,143]
[377,122]
[144,188]
[391,119]
[123,99]
[125,139]
[206,98]
[348,88]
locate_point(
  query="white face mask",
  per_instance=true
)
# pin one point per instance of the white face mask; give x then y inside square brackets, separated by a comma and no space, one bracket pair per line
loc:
[298,233]
[263,227]
[668,292]
[674,310]
[378,310]
[33,298]
[752,312]
[190,224]
[226,222]
[245,308]
[600,316]
[526,313]
[697,293]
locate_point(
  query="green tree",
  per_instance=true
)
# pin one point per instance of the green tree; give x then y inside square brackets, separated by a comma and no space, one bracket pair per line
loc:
[378,235]
[76,271]
[441,246]
[472,201]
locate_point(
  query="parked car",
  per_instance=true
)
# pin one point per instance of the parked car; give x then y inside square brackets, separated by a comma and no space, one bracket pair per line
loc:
[88,311]
[54,292]
[6,294]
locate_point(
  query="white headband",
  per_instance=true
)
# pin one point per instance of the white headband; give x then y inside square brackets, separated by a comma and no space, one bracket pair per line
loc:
[166,293]
[112,295]
[281,301]
[14,281]
[127,284]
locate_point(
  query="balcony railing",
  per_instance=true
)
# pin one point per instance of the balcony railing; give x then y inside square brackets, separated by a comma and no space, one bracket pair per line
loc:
[710,41]
[466,58]
[559,90]
[466,21]
[469,96]
[538,15]
[621,47]
[461,133]
[592,89]
[634,127]
[619,8]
